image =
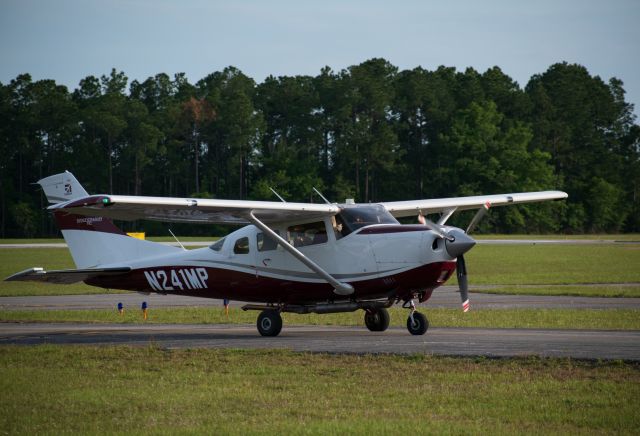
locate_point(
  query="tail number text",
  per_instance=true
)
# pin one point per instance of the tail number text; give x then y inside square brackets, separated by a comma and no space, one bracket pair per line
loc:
[177,279]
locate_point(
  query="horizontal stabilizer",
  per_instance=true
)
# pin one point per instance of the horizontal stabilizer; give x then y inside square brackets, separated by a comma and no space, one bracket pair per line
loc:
[64,276]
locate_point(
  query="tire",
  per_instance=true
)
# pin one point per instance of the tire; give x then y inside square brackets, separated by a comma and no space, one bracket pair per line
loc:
[419,325]
[376,320]
[269,323]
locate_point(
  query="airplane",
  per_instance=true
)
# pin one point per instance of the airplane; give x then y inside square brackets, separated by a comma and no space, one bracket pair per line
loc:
[289,257]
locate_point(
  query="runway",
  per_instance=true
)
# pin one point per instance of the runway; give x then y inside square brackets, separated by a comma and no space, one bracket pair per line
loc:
[579,344]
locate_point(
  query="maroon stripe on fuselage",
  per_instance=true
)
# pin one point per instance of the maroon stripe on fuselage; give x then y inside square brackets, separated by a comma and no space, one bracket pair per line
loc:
[386,228]
[240,286]
[69,221]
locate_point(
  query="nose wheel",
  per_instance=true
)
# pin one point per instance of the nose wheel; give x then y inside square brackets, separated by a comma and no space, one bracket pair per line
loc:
[417,323]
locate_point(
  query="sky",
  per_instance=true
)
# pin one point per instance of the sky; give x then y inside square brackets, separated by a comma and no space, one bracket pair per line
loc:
[67,40]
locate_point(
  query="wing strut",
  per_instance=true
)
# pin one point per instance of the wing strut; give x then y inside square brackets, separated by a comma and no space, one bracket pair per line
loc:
[446,215]
[340,288]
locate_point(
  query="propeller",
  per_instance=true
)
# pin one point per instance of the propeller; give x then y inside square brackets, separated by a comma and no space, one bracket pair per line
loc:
[438,229]
[463,284]
[457,242]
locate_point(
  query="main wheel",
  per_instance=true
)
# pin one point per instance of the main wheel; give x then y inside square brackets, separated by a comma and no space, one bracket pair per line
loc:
[419,324]
[376,320]
[269,323]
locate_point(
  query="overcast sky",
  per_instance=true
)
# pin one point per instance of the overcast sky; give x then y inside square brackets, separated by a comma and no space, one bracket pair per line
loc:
[67,40]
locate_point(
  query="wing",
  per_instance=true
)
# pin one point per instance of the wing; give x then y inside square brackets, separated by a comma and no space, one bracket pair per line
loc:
[65,276]
[194,210]
[444,205]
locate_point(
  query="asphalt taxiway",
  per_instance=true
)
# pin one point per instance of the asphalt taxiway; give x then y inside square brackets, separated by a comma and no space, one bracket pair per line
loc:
[579,344]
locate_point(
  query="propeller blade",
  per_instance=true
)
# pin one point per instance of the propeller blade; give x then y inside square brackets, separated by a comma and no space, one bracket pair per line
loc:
[477,217]
[461,272]
[434,227]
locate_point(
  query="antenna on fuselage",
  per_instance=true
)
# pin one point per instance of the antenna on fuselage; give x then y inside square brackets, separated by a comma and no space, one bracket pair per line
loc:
[321,196]
[174,237]
[278,195]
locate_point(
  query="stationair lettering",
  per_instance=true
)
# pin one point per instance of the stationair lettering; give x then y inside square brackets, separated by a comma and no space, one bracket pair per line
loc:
[177,279]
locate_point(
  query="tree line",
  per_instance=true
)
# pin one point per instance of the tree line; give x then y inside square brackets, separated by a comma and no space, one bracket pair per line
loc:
[369,132]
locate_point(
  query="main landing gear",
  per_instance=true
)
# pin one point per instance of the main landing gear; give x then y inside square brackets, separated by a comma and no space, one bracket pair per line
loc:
[269,322]
[376,316]
[376,320]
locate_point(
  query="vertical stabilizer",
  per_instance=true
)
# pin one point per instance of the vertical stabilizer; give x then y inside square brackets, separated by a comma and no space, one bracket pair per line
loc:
[62,187]
[94,241]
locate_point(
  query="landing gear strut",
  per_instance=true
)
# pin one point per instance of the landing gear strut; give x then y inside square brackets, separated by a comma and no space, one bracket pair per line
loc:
[417,323]
[376,320]
[269,322]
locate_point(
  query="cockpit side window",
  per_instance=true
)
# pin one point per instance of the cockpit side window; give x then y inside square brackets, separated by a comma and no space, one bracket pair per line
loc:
[301,235]
[339,227]
[265,243]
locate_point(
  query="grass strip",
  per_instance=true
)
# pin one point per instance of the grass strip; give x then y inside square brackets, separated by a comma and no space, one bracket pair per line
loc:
[67,389]
[552,264]
[610,319]
[13,260]
[610,291]
[486,265]
[627,237]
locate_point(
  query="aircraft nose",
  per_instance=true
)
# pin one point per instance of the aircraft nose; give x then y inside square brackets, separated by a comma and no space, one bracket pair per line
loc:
[460,244]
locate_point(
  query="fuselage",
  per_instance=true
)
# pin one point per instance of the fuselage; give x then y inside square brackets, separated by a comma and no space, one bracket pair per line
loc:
[363,246]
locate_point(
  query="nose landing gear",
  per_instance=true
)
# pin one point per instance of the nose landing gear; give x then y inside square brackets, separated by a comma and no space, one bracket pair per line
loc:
[417,323]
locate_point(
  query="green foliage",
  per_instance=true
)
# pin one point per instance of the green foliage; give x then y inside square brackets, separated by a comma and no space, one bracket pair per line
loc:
[369,132]
[24,218]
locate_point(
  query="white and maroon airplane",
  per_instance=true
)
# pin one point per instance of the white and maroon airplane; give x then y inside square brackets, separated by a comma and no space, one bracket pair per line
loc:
[292,257]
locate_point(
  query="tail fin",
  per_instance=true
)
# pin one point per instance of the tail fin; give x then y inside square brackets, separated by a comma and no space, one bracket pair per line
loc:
[62,187]
[94,241]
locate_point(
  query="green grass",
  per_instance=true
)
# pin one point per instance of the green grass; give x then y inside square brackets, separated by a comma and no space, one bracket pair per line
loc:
[597,236]
[31,241]
[486,264]
[567,290]
[611,319]
[552,264]
[13,260]
[67,389]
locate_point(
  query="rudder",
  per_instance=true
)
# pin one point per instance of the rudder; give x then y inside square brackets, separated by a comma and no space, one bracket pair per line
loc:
[93,240]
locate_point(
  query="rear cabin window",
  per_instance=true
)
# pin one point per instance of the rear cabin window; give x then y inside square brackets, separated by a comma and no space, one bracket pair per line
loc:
[302,235]
[265,243]
[241,246]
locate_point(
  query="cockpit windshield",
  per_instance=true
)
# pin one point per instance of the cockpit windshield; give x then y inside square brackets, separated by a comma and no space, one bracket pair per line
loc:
[353,217]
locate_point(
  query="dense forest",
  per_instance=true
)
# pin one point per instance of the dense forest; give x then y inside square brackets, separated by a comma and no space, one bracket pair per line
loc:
[369,132]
